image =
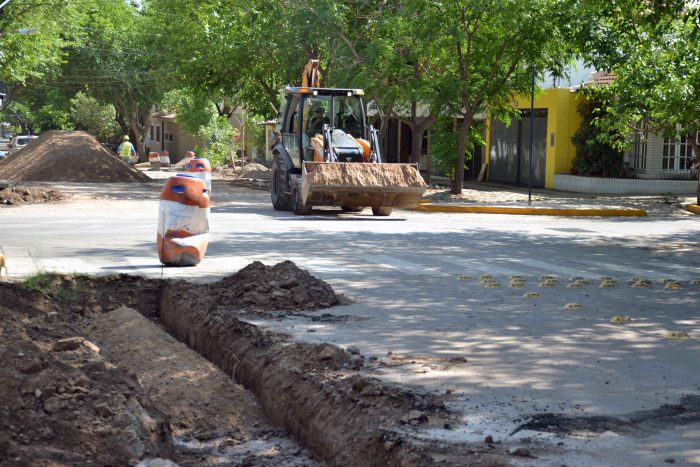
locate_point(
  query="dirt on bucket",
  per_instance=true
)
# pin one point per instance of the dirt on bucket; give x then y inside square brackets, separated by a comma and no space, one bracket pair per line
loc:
[67,156]
[365,175]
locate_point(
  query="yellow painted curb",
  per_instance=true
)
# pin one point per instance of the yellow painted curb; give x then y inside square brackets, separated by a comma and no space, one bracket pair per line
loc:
[694,208]
[529,211]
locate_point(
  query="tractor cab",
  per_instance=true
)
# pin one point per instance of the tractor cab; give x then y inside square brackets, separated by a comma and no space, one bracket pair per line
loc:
[310,114]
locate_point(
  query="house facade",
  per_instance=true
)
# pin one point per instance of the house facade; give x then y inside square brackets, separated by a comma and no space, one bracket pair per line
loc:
[163,133]
[508,146]
[658,165]
[658,158]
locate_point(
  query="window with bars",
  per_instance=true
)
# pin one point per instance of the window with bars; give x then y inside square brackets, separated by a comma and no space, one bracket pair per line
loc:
[677,154]
[639,150]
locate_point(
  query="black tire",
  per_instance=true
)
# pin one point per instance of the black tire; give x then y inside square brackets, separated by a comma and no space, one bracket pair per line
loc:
[381,211]
[349,209]
[299,208]
[281,201]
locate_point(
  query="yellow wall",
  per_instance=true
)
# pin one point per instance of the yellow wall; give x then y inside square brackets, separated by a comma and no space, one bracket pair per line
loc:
[562,122]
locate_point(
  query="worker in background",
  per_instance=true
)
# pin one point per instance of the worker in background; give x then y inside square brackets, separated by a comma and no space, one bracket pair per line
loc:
[126,150]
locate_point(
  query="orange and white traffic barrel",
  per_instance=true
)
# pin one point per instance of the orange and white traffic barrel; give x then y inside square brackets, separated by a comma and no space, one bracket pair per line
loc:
[154,159]
[200,168]
[165,159]
[183,221]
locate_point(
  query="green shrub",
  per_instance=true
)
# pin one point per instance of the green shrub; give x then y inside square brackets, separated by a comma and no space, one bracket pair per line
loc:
[596,153]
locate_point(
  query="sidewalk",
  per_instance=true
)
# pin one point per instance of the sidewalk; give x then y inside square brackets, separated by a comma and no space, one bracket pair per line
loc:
[494,198]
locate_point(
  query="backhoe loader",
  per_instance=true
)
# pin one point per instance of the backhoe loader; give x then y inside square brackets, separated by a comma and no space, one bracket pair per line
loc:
[327,154]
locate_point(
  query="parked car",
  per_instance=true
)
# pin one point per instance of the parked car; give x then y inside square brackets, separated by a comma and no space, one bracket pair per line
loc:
[18,142]
[4,147]
[111,147]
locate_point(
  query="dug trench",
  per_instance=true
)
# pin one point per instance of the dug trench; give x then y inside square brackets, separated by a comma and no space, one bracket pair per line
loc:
[95,371]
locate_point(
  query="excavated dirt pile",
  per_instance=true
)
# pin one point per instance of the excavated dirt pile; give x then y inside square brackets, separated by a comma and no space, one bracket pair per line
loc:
[60,402]
[67,156]
[280,287]
[84,377]
[13,196]
[364,175]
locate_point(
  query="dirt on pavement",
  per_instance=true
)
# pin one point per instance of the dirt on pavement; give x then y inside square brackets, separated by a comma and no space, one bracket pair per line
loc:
[67,156]
[17,195]
[254,176]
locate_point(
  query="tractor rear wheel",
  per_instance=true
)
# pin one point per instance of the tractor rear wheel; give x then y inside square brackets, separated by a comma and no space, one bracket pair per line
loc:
[281,201]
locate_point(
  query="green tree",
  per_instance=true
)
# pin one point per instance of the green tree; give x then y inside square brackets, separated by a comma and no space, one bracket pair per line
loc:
[33,35]
[113,62]
[95,118]
[193,110]
[483,55]
[652,48]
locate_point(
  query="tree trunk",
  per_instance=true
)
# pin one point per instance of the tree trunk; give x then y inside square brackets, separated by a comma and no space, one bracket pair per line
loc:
[458,182]
[135,132]
[122,124]
[417,131]
[696,150]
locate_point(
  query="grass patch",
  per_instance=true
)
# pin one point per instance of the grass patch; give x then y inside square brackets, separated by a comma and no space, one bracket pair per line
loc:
[63,287]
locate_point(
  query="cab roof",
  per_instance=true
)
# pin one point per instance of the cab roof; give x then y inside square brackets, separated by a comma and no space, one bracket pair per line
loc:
[325,91]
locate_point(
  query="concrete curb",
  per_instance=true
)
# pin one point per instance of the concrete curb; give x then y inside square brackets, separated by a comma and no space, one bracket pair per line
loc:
[530,211]
[694,208]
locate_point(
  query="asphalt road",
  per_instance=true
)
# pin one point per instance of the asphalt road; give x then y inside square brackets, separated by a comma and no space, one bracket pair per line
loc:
[524,356]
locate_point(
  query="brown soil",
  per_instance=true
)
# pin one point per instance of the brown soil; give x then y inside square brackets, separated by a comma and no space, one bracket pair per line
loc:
[211,416]
[68,406]
[280,287]
[67,156]
[254,176]
[13,196]
[317,392]
[364,175]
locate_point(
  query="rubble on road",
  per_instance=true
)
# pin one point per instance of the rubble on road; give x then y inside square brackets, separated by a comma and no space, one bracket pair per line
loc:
[252,175]
[16,195]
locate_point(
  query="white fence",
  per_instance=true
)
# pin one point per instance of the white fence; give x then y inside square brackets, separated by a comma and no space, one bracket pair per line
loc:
[619,186]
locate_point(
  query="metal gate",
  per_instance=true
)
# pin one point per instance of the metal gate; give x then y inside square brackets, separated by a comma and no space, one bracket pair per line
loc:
[510,150]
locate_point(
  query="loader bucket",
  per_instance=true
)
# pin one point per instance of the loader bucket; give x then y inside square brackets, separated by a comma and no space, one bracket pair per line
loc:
[359,184]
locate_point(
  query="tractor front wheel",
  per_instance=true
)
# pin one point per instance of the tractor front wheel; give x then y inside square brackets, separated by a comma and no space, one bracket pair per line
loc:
[281,201]
[381,211]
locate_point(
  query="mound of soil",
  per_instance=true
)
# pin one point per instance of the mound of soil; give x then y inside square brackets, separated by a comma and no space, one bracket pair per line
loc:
[280,287]
[61,403]
[363,175]
[68,156]
[16,195]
